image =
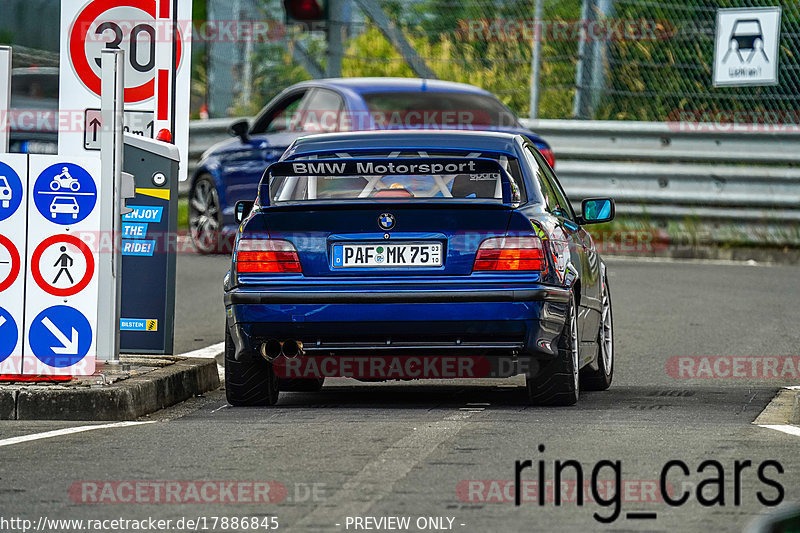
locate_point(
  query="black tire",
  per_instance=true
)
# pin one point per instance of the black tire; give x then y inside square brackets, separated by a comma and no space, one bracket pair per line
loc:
[601,378]
[205,215]
[556,383]
[248,384]
[301,385]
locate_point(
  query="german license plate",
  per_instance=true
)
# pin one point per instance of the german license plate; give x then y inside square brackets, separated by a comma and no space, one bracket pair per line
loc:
[383,255]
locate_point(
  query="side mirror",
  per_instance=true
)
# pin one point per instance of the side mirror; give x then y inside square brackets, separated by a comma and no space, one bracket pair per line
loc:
[241,129]
[243,209]
[596,210]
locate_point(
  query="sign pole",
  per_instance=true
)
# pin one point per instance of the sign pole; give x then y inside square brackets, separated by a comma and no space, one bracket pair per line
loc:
[166,50]
[111,104]
[5,96]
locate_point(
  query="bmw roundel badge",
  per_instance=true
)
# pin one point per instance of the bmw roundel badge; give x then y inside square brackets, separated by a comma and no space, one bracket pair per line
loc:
[386,221]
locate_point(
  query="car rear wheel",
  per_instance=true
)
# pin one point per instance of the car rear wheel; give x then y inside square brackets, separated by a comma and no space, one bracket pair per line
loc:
[252,383]
[601,378]
[205,215]
[556,383]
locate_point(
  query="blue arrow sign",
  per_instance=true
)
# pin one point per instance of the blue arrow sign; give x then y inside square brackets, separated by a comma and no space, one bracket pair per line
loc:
[65,193]
[60,336]
[8,334]
[10,191]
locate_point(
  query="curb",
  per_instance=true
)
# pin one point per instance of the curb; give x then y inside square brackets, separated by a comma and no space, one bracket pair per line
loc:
[783,409]
[126,399]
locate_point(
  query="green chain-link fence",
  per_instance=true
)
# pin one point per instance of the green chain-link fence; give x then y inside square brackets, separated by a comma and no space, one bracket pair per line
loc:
[644,60]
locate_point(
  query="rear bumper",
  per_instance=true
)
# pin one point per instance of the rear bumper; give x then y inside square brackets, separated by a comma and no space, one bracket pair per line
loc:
[524,321]
[257,297]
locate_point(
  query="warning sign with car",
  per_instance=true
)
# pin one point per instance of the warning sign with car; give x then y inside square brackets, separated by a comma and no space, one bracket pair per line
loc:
[746,46]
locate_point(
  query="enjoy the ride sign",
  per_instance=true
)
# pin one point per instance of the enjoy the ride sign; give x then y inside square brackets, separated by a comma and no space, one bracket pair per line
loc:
[157,44]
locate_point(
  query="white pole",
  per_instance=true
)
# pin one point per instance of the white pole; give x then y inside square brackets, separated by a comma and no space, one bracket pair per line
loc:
[536,59]
[5,96]
[166,34]
[112,102]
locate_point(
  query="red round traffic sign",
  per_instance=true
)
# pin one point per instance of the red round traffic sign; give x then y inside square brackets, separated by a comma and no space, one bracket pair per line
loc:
[37,257]
[79,31]
[15,262]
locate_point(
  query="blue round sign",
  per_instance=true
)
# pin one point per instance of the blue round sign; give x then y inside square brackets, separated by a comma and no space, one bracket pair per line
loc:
[60,336]
[8,334]
[10,191]
[65,193]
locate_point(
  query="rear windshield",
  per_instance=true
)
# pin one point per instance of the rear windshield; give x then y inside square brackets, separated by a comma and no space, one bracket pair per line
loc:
[458,186]
[455,186]
[438,109]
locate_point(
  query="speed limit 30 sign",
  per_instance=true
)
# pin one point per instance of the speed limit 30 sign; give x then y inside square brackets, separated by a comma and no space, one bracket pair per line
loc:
[157,73]
[128,24]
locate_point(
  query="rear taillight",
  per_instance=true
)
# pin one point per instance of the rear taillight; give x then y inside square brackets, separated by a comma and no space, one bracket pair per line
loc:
[548,156]
[510,254]
[273,256]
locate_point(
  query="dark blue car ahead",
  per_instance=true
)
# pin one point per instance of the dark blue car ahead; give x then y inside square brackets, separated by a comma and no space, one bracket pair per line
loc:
[231,170]
[409,255]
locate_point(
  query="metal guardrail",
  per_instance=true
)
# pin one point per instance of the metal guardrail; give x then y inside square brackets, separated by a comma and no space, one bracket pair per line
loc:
[726,183]
[737,184]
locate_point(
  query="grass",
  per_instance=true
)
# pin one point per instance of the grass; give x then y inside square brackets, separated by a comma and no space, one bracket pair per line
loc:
[183,214]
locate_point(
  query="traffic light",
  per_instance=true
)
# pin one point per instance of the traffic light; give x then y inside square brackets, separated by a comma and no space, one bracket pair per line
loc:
[305,10]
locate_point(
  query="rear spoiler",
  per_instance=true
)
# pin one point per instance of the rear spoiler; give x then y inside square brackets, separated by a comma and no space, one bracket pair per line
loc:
[389,166]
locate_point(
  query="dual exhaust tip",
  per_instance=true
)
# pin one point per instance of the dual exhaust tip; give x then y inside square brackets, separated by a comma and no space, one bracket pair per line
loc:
[273,348]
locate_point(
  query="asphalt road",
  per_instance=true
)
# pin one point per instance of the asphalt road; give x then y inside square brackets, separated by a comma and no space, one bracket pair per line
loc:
[442,449]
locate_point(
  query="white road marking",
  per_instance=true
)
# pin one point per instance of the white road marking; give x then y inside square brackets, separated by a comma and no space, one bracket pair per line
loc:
[376,480]
[68,431]
[783,428]
[209,352]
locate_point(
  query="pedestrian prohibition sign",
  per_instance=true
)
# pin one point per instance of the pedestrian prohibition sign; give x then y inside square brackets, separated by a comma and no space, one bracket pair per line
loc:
[60,336]
[62,265]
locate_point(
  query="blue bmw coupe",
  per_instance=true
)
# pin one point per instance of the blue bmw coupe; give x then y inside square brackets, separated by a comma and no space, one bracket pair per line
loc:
[406,255]
[231,170]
